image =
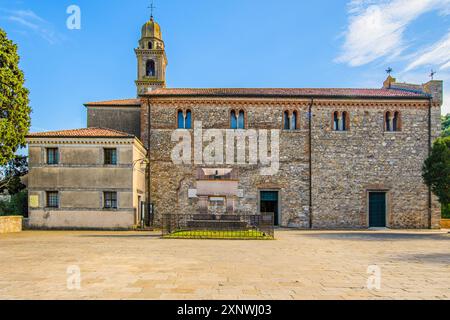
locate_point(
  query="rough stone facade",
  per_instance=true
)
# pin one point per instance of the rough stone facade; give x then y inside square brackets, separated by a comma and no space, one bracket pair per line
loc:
[346,165]
[171,182]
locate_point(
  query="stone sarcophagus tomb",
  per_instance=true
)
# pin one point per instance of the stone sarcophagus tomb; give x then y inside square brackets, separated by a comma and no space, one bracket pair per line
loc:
[217,190]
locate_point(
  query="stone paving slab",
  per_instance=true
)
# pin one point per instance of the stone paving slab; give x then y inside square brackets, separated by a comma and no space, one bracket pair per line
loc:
[298,265]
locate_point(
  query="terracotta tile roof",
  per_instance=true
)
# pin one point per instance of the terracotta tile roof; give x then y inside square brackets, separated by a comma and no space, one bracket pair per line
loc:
[122,102]
[269,92]
[287,92]
[82,133]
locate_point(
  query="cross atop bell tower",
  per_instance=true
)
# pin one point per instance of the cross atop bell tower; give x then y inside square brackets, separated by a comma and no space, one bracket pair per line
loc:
[152,7]
[151,57]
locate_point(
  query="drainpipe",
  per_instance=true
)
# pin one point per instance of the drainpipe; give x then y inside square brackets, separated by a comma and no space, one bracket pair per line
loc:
[310,163]
[430,104]
[149,175]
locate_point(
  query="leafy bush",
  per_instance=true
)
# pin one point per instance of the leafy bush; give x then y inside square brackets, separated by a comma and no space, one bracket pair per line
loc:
[17,206]
[436,170]
[446,133]
[446,125]
[446,211]
[11,173]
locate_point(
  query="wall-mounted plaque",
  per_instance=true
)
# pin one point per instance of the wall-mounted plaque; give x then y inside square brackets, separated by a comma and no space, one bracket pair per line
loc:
[34,201]
[192,193]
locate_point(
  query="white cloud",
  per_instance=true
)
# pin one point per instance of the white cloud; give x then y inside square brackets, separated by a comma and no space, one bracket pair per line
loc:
[445,66]
[377,30]
[437,55]
[31,21]
[376,27]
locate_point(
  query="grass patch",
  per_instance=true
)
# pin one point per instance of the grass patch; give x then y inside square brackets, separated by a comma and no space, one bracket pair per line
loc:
[216,234]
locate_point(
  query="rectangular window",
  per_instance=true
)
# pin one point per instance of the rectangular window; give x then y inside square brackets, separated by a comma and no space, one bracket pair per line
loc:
[110,200]
[111,156]
[52,199]
[52,156]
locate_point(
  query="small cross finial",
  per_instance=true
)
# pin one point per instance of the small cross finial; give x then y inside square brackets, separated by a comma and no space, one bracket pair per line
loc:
[152,8]
[432,74]
[389,71]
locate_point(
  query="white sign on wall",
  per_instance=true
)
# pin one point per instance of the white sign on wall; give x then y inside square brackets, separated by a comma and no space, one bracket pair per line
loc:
[192,193]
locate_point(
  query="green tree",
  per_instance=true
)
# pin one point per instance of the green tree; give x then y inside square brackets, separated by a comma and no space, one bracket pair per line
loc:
[17,206]
[436,170]
[11,173]
[14,102]
[446,211]
[446,125]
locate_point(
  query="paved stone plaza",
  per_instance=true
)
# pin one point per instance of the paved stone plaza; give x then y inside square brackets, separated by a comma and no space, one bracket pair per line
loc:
[298,265]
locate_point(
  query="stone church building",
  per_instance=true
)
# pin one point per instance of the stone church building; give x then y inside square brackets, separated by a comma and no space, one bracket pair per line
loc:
[348,158]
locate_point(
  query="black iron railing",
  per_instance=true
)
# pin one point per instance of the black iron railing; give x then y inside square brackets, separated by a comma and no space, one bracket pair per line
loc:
[226,226]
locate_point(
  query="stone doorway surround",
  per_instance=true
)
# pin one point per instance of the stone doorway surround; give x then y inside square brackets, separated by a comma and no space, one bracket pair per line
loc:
[377,188]
[377,209]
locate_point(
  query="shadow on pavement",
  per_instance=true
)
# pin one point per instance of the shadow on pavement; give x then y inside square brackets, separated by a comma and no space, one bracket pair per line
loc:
[119,236]
[366,236]
[440,258]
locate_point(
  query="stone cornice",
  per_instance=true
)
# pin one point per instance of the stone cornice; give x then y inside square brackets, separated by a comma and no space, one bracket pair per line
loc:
[93,140]
[149,81]
[289,103]
[115,107]
[149,51]
[88,141]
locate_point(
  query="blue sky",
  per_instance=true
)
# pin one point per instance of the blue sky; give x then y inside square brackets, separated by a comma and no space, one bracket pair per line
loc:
[233,43]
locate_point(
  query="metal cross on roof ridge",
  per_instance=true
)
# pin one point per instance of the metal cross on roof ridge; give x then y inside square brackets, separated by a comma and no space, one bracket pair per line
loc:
[432,74]
[151,7]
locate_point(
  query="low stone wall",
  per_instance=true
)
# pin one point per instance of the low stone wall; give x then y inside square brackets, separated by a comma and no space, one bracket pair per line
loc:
[445,223]
[10,224]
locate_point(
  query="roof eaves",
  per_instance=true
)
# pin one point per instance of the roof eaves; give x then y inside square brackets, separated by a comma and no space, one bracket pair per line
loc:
[112,104]
[309,96]
[78,137]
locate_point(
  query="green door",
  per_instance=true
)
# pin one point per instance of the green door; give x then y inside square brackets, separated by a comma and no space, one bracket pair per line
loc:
[377,209]
[269,204]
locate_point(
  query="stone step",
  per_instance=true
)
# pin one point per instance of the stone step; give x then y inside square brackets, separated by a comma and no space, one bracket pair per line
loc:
[213,217]
[217,225]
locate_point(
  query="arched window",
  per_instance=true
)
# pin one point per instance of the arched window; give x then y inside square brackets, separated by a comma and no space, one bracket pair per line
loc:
[233,120]
[344,121]
[188,120]
[150,68]
[150,45]
[180,119]
[396,122]
[241,120]
[336,121]
[286,125]
[388,121]
[294,121]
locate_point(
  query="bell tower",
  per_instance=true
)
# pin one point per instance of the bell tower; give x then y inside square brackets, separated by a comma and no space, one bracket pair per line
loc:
[151,58]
